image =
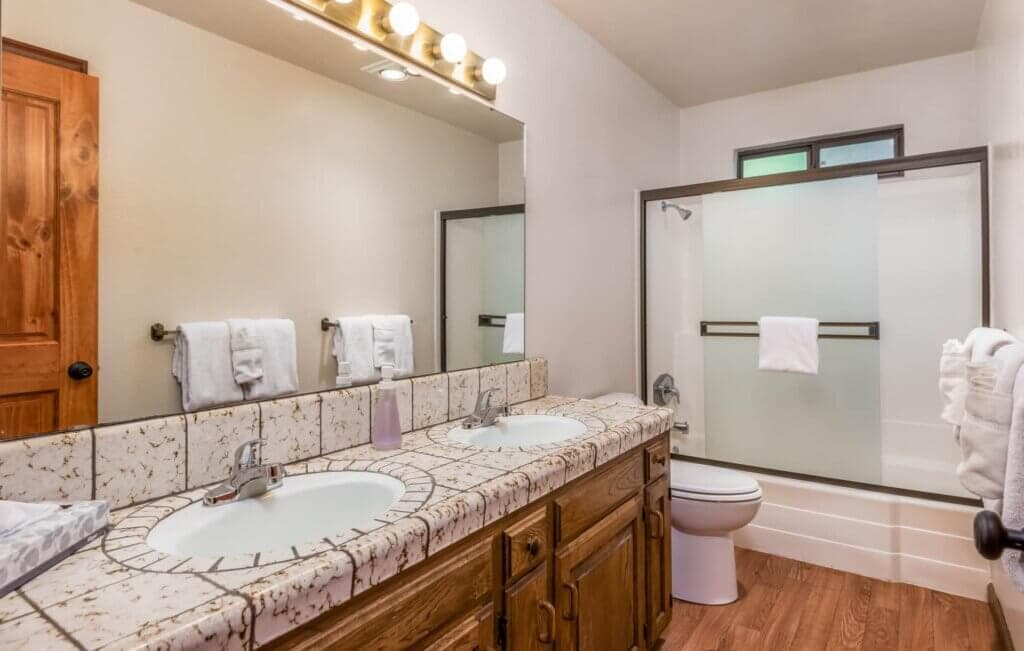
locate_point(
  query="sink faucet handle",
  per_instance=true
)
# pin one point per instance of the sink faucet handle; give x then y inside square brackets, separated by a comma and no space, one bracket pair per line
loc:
[249,454]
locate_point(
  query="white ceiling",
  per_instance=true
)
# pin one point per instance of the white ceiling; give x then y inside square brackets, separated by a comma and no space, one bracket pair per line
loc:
[697,51]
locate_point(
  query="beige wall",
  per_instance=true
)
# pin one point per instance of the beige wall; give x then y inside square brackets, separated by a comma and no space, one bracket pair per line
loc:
[934,99]
[233,184]
[1001,73]
[595,133]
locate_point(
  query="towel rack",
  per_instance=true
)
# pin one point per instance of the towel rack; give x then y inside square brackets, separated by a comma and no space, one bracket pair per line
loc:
[490,320]
[158,331]
[326,323]
[871,329]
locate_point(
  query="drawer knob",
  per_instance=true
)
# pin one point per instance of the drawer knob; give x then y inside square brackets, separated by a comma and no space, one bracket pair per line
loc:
[533,546]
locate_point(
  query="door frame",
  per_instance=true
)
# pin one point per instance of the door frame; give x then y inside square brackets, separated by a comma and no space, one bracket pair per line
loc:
[445,217]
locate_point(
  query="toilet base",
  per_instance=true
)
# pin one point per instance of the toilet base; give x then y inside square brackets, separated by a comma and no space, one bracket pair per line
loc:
[704,568]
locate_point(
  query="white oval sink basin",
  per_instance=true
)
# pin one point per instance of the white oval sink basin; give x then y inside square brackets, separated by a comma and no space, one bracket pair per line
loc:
[305,509]
[514,431]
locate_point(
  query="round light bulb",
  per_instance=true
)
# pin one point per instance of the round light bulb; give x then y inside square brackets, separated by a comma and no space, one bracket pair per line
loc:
[393,74]
[494,71]
[403,19]
[453,48]
[360,46]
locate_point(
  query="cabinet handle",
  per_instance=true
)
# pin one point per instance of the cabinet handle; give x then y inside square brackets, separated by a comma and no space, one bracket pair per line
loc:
[547,634]
[658,460]
[574,601]
[533,546]
[658,517]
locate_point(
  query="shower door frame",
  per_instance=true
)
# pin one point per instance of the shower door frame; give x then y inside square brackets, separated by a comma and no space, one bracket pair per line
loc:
[890,166]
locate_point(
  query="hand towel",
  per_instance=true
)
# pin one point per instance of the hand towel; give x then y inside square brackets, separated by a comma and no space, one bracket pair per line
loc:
[788,344]
[985,430]
[514,334]
[280,368]
[14,515]
[202,365]
[353,344]
[1012,510]
[984,342]
[246,350]
[395,346]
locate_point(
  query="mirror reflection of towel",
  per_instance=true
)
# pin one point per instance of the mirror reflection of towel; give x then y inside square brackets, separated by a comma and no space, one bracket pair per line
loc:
[515,327]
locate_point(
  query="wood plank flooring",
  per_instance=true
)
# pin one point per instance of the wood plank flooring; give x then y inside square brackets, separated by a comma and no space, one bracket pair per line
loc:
[787,604]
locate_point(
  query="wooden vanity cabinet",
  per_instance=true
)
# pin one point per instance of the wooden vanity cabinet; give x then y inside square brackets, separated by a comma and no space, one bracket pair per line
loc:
[586,568]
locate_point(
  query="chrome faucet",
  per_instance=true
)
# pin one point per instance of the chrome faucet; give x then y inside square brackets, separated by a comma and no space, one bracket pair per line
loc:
[250,477]
[484,415]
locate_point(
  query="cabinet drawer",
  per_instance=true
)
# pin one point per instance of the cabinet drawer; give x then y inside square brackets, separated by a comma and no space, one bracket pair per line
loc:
[656,459]
[526,543]
[591,499]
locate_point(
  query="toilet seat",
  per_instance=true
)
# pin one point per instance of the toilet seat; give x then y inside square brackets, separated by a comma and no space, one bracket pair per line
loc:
[704,483]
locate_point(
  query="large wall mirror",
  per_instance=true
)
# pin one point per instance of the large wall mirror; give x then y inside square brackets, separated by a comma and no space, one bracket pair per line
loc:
[179,161]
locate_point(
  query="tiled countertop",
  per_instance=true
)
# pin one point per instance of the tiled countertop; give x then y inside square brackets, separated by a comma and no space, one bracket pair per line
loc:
[118,593]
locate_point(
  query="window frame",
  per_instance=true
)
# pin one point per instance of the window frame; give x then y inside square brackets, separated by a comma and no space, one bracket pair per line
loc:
[813,146]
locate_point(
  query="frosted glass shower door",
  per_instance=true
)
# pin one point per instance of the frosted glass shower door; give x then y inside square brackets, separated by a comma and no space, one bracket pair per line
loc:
[809,249]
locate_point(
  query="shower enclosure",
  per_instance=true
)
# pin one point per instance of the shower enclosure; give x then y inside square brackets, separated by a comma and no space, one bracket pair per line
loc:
[891,257]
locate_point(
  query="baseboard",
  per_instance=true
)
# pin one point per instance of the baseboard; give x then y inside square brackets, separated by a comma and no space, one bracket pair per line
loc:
[1005,639]
[887,537]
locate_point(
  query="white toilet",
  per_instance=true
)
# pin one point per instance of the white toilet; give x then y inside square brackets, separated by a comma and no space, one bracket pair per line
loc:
[708,504]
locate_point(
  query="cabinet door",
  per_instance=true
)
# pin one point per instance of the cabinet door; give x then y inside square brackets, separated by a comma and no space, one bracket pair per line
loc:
[599,584]
[473,633]
[659,558]
[530,619]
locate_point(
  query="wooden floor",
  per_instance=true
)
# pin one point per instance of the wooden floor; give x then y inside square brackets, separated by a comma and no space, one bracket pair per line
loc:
[786,604]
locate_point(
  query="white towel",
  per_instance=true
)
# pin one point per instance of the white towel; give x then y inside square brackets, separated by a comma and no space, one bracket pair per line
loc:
[1012,507]
[280,368]
[984,342]
[353,343]
[514,334]
[202,365]
[246,350]
[953,380]
[788,344]
[393,343]
[15,515]
[984,431]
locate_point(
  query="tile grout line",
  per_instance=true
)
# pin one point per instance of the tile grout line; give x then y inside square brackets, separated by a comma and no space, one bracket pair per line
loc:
[92,438]
[42,613]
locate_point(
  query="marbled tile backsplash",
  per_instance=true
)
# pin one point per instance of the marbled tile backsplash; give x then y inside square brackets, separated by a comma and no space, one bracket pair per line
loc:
[134,462]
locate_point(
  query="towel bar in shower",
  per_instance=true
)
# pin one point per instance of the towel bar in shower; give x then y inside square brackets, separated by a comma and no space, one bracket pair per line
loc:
[490,320]
[871,329]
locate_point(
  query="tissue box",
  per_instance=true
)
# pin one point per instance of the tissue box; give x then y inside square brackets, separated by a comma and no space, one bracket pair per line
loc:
[27,552]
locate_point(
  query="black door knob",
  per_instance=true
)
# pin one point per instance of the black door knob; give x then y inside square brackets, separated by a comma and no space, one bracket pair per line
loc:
[991,537]
[80,371]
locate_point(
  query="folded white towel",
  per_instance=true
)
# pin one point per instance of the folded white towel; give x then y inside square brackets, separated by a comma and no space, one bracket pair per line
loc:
[280,368]
[984,342]
[353,343]
[953,380]
[202,365]
[1012,507]
[393,343]
[984,431]
[515,330]
[246,350]
[788,344]
[15,515]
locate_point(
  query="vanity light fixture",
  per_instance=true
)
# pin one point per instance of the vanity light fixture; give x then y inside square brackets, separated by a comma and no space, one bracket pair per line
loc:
[402,19]
[452,48]
[493,71]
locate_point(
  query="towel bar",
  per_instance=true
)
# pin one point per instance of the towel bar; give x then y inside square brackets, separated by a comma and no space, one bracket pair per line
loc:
[872,329]
[490,320]
[158,331]
[326,324]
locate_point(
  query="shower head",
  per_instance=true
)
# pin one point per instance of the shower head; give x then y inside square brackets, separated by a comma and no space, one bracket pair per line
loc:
[683,212]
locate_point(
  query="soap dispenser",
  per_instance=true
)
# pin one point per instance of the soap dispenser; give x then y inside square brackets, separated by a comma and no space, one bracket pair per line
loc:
[387,430]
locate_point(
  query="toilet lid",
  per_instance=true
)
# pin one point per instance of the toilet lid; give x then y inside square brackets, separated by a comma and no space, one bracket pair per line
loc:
[701,479]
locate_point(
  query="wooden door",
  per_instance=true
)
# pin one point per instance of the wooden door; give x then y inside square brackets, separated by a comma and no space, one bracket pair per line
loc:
[475,632]
[599,584]
[49,210]
[530,619]
[658,557]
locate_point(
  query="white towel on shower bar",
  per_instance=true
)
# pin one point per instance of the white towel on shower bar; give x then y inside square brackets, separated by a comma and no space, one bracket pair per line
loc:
[515,334]
[788,344]
[202,365]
